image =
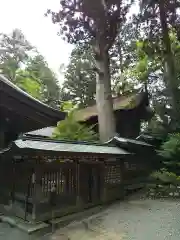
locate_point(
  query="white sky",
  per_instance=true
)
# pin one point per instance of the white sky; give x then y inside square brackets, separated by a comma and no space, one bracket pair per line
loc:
[28,15]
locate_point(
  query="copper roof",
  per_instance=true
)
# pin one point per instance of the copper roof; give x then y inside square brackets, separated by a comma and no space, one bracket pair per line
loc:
[62,146]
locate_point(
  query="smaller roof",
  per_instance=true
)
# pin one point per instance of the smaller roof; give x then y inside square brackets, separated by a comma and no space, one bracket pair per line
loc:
[43,132]
[62,146]
[131,145]
[119,103]
[127,140]
[144,136]
[153,140]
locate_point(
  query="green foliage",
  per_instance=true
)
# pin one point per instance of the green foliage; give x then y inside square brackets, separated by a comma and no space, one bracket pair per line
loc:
[67,106]
[145,64]
[94,19]
[69,129]
[80,78]
[31,74]
[14,51]
[29,84]
[157,129]
[49,83]
[122,58]
[171,148]
[163,176]
[170,152]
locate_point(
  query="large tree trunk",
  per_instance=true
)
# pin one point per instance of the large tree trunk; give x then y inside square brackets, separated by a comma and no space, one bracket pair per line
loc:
[103,96]
[169,64]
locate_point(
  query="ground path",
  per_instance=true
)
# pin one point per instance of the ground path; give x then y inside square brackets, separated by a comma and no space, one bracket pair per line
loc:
[136,219]
[133,220]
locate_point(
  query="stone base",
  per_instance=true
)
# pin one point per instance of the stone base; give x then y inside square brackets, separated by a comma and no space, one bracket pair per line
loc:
[41,228]
[26,227]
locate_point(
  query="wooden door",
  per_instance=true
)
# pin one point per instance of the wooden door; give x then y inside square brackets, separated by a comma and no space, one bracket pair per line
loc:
[90,182]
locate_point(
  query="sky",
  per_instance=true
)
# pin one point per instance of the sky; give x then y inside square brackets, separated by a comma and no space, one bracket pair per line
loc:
[28,15]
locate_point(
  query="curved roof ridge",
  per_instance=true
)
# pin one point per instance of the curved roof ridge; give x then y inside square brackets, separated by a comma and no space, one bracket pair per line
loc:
[8,82]
[37,103]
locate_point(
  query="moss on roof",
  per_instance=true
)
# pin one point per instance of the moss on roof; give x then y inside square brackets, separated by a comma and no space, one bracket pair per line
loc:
[119,103]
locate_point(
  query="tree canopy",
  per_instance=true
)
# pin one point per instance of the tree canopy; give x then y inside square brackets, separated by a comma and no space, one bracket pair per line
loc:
[80,78]
[128,52]
[21,63]
[114,54]
[96,23]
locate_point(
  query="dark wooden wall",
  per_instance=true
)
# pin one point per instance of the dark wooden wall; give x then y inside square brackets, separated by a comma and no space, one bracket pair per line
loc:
[35,187]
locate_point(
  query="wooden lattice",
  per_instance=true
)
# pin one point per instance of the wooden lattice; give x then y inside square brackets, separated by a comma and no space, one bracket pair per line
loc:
[113,174]
[60,179]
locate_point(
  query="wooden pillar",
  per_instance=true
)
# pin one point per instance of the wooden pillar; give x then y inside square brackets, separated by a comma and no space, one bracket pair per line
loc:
[122,167]
[37,195]
[2,139]
[34,196]
[3,129]
[103,184]
[79,201]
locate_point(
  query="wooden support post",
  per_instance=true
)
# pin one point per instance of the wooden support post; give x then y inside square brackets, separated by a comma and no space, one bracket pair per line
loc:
[78,181]
[34,196]
[103,184]
[2,139]
[122,167]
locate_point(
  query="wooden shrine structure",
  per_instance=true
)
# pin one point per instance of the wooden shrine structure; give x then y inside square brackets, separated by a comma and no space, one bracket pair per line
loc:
[19,112]
[38,176]
[129,112]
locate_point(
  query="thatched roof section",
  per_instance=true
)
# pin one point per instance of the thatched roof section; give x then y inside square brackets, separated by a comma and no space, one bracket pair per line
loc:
[119,103]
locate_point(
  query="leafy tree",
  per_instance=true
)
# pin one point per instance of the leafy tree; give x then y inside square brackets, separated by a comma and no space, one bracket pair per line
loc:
[123,57]
[157,128]
[159,14]
[27,82]
[14,51]
[70,129]
[23,65]
[170,151]
[149,69]
[95,22]
[80,79]
[50,87]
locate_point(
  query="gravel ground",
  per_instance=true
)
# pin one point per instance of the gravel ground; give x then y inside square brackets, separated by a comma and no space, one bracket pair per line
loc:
[130,220]
[133,220]
[10,233]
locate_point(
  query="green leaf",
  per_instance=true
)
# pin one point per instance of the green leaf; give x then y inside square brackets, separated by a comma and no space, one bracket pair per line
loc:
[69,129]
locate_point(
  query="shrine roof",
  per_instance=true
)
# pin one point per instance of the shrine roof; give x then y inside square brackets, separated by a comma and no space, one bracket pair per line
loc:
[43,132]
[119,103]
[11,94]
[29,143]
[127,140]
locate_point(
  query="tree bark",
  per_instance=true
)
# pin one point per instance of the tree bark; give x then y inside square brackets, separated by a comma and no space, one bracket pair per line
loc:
[104,101]
[169,64]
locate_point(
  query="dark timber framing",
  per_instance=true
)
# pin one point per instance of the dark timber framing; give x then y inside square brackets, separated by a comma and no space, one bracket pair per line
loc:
[21,113]
[39,176]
